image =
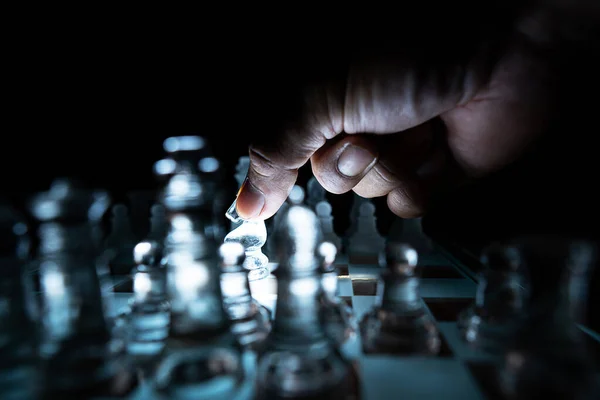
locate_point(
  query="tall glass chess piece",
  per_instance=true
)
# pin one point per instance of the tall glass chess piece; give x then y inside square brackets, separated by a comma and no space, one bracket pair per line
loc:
[253,236]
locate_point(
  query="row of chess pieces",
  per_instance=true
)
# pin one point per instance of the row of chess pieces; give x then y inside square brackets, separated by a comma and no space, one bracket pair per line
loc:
[192,328]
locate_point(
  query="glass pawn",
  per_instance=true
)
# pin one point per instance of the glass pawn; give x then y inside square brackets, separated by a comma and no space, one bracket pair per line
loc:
[251,320]
[339,317]
[149,313]
[299,360]
[500,301]
[400,324]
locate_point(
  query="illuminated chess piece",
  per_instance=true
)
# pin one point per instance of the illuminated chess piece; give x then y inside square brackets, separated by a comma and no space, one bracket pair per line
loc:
[299,360]
[252,235]
[148,319]
[339,318]
[251,322]
[401,323]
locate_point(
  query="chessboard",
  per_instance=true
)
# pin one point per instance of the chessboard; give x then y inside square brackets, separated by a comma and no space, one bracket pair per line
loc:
[447,287]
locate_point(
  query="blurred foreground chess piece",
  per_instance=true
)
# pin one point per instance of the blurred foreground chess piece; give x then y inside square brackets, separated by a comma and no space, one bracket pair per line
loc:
[77,352]
[549,356]
[19,335]
[251,321]
[401,323]
[501,300]
[299,360]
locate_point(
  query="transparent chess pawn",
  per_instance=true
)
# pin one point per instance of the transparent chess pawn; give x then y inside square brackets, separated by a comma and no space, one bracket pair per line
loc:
[253,236]
[339,317]
[149,315]
[77,357]
[251,320]
[19,370]
[549,356]
[500,302]
[400,324]
[299,360]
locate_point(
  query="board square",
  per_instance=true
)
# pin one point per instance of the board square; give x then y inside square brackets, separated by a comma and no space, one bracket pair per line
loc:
[364,287]
[446,309]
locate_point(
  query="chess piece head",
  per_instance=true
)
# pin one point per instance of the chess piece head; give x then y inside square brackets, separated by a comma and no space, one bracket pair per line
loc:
[298,235]
[147,253]
[190,174]
[178,144]
[498,257]
[401,258]
[231,256]
[67,200]
[327,251]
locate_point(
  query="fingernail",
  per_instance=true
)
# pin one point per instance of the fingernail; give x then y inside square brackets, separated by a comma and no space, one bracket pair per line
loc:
[250,201]
[354,160]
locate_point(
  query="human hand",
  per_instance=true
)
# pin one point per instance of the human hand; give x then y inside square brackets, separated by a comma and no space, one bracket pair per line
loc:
[408,125]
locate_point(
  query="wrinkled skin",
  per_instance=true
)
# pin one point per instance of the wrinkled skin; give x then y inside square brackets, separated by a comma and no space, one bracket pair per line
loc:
[419,124]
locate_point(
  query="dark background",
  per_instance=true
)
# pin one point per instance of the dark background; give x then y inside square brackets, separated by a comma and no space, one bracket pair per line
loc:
[97,107]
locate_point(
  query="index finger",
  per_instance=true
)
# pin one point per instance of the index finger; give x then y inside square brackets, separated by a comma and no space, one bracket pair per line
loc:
[375,97]
[274,163]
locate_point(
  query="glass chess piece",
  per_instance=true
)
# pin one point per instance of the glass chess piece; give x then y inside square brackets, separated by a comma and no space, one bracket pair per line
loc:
[400,324]
[253,236]
[149,315]
[19,372]
[339,318]
[77,354]
[251,321]
[299,360]
[500,301]
[549,355]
